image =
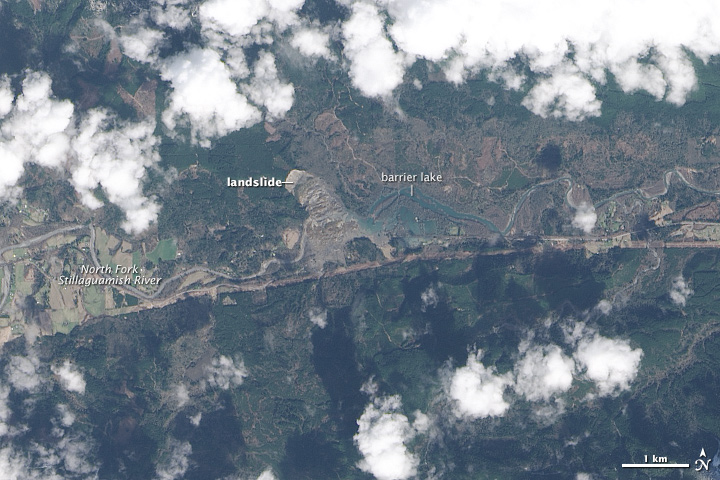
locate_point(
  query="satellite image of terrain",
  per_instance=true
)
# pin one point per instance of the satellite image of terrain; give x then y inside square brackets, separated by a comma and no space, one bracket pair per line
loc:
[359,239]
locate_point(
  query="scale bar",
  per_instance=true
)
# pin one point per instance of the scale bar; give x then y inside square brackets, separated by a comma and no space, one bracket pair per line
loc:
[655,465]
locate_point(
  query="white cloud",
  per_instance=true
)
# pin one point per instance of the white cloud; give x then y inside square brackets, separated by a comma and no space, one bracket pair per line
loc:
[429,298]
[267,474]
[543,374]
[15,466]
[583,476]
[610,363]
[548,413]
[585,218]
[634,76]
[680,291]
[375,68]
[679,72]
[38,122]
[236,19]
[229,26]
[370,387]
[318,317]
[571,46]
[38,125]
[23,373]
[67,417]
[382,436]
[70,377]
[604,306]
[6,96]
[543,371]
[176,461]
[311,42]
[195,419]
[266,89]
[61,453]
[224,372]
[5,411]
[70,453]
[507,76]
[34,130]
[422,422]
[205,96]
[231,17]
[576,331]
[477,391]
[115,155]
[229,22]
[65,456]
[141,43]
[103,152]
[565,94]
[171,13]
[181,395]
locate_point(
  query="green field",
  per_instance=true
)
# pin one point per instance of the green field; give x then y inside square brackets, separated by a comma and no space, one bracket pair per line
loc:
[165,250]
[94,300]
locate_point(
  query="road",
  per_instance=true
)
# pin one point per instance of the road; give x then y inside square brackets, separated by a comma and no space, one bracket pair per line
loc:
[39,239]
[25,244]
[258,281]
